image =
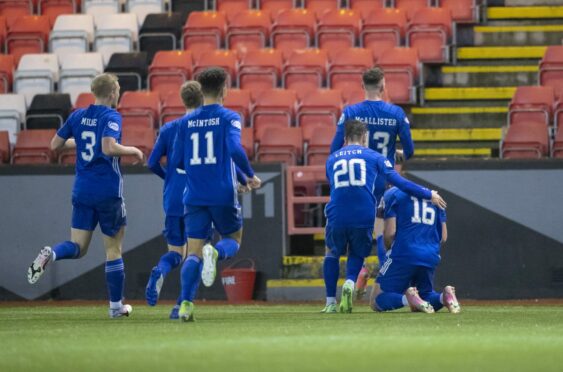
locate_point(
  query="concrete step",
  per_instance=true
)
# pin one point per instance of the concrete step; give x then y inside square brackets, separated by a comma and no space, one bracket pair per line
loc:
[468,93]
[500,52]
[526,12]
[517,35]
[446,136]
[485,75]
[458,117]
[472,150]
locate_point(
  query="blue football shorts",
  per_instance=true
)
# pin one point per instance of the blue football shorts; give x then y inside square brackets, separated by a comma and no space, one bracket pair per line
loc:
[199,220]
[341,240]
[396,277]
[109,212]
[174,231]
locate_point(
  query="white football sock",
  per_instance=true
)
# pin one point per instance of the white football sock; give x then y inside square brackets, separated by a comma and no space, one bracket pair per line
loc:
[405,302]
[115,305]
[442,298]
[330,301]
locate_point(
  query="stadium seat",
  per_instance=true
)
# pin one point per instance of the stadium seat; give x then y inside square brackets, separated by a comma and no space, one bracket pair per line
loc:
[11,10]
[558,113]
[115,33]
[278,144]
[77,72]
[4,147]
[6,72]
[525,140]
[72,34]
[100,8]
[34,147]
[247,142]
[160,32]
[226,59]
[305,70]
[293,29]
[232,7]
[172,108]
[463,11]
[354,96]
[346,69]
[48,111]
[260,70]
[249,30]
[131,68]
[557,148]
[317,141]
[142,8]
[412,6]
[551,69]
[12,114]
[204,31]
[275,6]
[239,100]
[141,138]
[320,6]
[401,67]
[383,29]
[169,70]
[84,100]
[29,34]
[319,108]
[531,104]
[186,7]
[338,29]
[36,73]
[140,109]
[273,108]
[55,8]
[3,31]
[430,31]
[365,7]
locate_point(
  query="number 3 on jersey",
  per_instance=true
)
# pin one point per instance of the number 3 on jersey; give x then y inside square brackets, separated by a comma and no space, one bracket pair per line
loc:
[210,157]
[345,167]
[89,139]
[382,139]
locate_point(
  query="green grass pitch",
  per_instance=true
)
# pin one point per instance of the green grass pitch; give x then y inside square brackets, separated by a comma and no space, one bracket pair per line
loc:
[280,338]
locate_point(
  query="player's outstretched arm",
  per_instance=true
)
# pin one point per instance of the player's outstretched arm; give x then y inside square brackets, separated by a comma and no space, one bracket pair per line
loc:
[110,147]
[58,143]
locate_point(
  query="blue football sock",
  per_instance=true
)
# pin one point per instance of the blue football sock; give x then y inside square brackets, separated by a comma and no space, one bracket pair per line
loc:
[179,300]
[195,285]
[191,273]
[433,298]
[170,260]
[381,251]
[115,279]
[331,270]
[386,301]
[227,248]
[353,266]
[66,250]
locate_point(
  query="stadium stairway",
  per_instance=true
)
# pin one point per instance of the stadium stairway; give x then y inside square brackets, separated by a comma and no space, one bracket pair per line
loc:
[465,104]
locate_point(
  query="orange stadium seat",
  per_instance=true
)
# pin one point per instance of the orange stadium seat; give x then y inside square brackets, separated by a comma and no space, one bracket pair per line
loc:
[204,31]
[280,145]
[169,70]
[411,6]
[247,141]
[383,29]
[430,31]
[347,67]
[275,6]
[463,11]
[239,100]
[305,70]
[249,30]
[84,100]
[34,147]
[172,108]
[139,109]
[13,9]
[232,7]
[338,29]
[558,113]
[3,30]
[30,34]
[365,7]
[227,59]
[557,149]
[141,138]
[320,6]
[54,8]
[551,69]
[273,108]
[4,147]
[401,66]
[531,104]
[355,96]
[319,108]
[260,70]
[526,140]
[293,29]
[7,66]
[318,140]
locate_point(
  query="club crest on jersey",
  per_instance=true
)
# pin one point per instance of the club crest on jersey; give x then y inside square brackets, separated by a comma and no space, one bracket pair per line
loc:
[113,126]
[388,164]
[236,124]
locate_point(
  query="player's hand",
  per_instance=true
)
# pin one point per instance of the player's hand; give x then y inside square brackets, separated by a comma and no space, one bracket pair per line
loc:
[438,201]
[254,182]
[138,154]
[399,156]
[242,189]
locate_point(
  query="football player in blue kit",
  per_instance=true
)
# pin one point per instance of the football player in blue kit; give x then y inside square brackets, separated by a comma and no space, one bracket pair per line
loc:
[353,172]
[97,196]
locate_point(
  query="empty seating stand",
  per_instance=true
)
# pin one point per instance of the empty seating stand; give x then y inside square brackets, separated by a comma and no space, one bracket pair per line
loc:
[33,147]
[249,30]
[72,34]
[204,31]
[275,6]
[317,144]
[278,144]
[430,31]
[141,138]
[463,11]
[185,7]
[383,29]
[142,8]
[411,7]
[131,68]
[140,110]
[161,31]
[338,29]
[226,59]
[48,111]
[365,7]
[84,100]
[551,69]
[169,70]
[273,108]
[293,29]
[260,70]
[172,108]
[319,108]
[12,114]
[6,72]
[402,69]
[55,8]
[115,33]
[14,9]
[36,73]
[305,70]
[239,100]
[77,72]
[29,34]
[346,69]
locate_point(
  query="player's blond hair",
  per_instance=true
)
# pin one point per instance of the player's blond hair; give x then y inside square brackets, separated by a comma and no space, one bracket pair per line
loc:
[103,85]
[191,95]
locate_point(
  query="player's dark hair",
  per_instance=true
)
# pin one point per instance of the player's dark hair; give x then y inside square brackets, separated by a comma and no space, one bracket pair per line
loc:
[191,94]
[355,130]
[212,81]
[373,79]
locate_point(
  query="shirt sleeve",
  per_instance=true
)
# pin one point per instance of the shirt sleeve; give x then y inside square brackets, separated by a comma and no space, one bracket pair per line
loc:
[241,178]
[158,151]
[113,127]
[338,139]
[389,205]
[236,151]
[176,159]
[405,135]
[442,214]
[65,132]
[402,184]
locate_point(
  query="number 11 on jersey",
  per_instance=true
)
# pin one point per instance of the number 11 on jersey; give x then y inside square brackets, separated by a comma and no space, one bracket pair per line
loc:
[210,157]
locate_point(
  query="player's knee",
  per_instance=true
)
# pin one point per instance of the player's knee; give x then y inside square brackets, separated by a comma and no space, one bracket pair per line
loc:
[180,250]
[237,236]
[332,253]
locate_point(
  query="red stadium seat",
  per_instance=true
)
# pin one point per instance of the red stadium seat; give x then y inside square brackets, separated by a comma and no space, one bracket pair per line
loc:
[232,7]
[13,9]
[84,100]
[305,70]
[204,31]
[383,29]
[239,100]
[247,141]
[319,108]
[249,30]
[172,108]
[526,140]
[411,6]
[280,145]
[401,67]
[293,29]
[320,6]
[463,11]
[557,149]
[317,143]
[3,31]
[558,113]
[551,69]
[347,67]
[275,6]
[140,109]
[169,70]
[273,108]
[33,147]
[141,138]
[4,147]
[338,29]
[30,34]
[532,104]
[54,8]
[260,70]
[7,67]
[430,31]
[365,7]
[227,59]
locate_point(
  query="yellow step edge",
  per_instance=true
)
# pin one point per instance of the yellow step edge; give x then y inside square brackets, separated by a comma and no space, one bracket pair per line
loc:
[475,93]
[301,283]
[460,134]
[487,69]
[299,260]
[523,12]
[458,110]
[534,28]
[520,52]
[453,152]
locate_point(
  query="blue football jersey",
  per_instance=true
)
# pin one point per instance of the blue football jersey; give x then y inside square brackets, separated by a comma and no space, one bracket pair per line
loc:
[385,122]
[353,172]
[96,173]
[419,228]
[208,148]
